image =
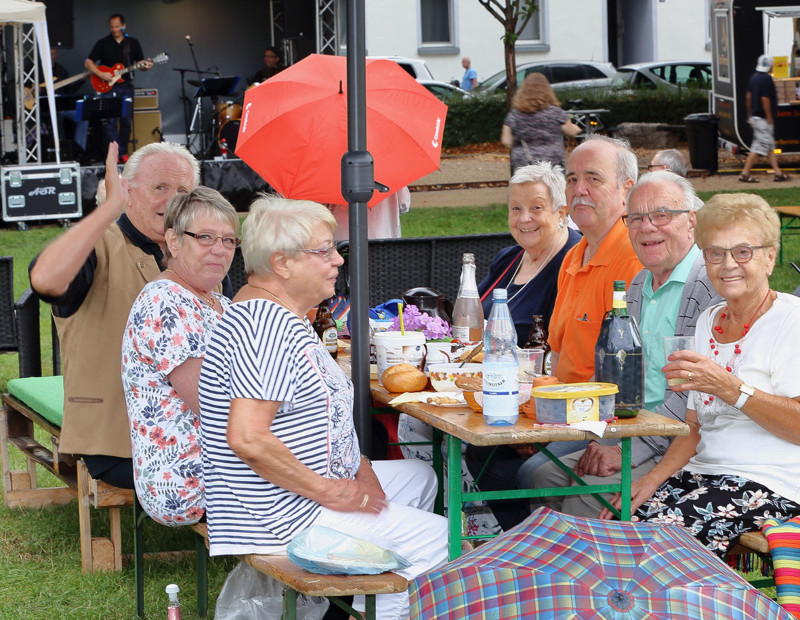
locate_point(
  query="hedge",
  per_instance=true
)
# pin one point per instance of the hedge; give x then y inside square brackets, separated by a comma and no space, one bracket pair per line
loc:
[479,118]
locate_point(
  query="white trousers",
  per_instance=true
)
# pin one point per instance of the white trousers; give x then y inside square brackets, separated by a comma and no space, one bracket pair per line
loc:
[407,526]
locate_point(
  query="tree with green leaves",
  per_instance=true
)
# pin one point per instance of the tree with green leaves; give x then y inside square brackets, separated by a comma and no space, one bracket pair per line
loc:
[514,15]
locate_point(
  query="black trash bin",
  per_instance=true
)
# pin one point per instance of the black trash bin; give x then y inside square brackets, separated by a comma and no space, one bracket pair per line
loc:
[701,131]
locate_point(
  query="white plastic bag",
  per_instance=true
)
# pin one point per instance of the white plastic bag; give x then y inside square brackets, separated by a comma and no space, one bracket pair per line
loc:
[248,594]
[326,551]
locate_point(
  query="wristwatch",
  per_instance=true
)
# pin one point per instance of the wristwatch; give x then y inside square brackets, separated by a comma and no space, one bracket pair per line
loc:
[746,391]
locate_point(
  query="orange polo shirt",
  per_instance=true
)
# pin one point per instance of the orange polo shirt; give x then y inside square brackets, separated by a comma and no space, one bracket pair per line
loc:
[584,296]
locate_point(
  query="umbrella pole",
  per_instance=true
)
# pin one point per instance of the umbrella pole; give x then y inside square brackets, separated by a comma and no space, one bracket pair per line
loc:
[358,182]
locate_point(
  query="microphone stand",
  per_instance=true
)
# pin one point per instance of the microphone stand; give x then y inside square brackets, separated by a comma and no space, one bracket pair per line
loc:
[185,102]
[203,146]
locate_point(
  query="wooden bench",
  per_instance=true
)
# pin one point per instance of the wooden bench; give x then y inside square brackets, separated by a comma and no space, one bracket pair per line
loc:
[333,587]
[17,424]
[789,222]
[755,542]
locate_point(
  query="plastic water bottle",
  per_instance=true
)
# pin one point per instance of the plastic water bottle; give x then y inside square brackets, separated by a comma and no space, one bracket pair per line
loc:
[173,607]
[500,365]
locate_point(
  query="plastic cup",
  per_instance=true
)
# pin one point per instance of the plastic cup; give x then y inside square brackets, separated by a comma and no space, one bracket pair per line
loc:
[677,343]
[530,361]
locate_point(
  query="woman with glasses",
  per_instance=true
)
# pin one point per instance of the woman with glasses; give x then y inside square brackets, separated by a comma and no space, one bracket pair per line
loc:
[280,450]
[162,350]
[740,462]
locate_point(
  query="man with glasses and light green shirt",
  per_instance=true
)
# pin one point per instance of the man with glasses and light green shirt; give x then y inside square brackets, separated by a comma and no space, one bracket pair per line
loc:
[666,298]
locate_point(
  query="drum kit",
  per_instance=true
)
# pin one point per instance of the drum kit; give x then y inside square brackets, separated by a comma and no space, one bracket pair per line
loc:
[226,115]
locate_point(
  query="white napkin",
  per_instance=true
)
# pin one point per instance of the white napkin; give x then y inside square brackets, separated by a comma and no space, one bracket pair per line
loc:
[598,428]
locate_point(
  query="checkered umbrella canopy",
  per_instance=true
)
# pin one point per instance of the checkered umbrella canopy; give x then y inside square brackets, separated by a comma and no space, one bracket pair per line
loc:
[558,566]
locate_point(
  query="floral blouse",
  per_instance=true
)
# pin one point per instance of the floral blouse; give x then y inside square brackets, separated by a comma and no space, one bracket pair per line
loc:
[167,325]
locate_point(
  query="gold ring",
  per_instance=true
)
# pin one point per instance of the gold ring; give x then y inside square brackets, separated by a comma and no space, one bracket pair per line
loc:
[364,501]
[690,375]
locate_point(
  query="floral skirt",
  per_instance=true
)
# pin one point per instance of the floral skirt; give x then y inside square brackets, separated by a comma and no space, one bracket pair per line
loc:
[715,508]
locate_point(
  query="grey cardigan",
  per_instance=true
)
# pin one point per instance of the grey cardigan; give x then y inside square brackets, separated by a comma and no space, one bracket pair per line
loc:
[698,294]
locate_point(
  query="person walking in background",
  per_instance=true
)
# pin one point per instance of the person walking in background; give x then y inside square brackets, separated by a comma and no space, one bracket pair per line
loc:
[669,159]
[117,48]
[761,102]
[470,78]
[535,126]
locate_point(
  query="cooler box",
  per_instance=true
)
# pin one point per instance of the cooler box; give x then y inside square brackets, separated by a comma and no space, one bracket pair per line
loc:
[41,192]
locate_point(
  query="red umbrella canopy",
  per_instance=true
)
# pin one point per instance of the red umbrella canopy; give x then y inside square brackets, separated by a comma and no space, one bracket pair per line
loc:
[294,128]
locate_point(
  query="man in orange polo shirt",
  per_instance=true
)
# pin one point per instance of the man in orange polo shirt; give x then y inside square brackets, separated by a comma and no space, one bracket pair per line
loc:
[600,171]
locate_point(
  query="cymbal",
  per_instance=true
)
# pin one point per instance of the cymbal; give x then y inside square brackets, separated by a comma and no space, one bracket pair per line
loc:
[194,82]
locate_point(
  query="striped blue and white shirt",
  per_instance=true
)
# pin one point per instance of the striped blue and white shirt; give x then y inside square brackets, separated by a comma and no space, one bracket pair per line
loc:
[261,351]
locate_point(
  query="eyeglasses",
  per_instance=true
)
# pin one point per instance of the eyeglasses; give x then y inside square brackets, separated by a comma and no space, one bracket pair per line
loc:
[326,253]
[659,217]
[656,167]
[739,253]
[207,239]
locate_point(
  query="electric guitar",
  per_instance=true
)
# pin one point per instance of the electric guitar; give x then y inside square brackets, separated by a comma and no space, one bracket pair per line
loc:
[29,98]
[101,86]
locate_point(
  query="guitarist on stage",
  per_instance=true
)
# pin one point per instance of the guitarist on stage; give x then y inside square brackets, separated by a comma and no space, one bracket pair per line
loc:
[117,49]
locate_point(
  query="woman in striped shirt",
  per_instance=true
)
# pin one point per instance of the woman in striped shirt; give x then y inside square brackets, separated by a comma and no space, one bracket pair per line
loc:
[279,444]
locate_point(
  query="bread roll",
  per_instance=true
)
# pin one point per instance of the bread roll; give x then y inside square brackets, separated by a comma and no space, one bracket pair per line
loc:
[404,378]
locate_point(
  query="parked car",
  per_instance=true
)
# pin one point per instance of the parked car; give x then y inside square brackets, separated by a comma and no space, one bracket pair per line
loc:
[443,90]
[414,66]
[562,75]
[672,74]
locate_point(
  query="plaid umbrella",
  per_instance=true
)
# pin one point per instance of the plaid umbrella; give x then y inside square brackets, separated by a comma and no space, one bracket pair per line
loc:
[558,566]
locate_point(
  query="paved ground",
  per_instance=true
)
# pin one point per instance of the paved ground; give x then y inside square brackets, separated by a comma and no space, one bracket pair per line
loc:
[493,166]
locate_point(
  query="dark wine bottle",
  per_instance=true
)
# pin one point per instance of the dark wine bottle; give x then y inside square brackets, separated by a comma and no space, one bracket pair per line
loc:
[325,326]
[537,339]
[618,355]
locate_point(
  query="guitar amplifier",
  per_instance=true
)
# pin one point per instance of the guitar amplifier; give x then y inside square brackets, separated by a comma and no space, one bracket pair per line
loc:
[41,192]
[146,128]
[145,99]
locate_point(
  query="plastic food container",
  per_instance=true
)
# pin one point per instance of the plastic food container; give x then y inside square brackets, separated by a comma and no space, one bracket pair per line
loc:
[574,402]
[443,376]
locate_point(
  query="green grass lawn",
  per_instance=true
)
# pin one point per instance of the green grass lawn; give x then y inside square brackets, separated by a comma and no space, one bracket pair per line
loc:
[40,568]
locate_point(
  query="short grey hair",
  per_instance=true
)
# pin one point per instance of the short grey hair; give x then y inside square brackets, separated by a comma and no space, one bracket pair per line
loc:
[182,210]
[549,175]
[277,224]
[691,202]
[159,148]
[627,165]
[673,159]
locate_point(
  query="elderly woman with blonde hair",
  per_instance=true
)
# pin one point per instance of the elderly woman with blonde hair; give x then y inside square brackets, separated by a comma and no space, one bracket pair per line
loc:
[279,444]
[535,127]
[739,465]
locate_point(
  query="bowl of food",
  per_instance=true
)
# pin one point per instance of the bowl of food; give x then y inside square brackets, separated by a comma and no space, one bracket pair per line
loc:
[443,376]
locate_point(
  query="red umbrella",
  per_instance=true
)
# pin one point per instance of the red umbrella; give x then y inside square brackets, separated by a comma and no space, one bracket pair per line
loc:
[294,128]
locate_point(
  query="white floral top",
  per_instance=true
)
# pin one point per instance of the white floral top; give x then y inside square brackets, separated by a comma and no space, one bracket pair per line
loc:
[167,325]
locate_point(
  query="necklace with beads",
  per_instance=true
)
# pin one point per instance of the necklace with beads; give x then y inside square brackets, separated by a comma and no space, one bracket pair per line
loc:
[208,301]
[737,350]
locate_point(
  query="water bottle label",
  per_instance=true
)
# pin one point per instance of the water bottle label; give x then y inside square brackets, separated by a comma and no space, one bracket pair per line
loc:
[500,395]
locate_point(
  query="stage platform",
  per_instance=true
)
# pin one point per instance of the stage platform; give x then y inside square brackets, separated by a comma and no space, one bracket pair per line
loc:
[233,178]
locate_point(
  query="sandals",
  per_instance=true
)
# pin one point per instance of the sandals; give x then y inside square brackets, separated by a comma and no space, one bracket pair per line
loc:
[748,178]
[781,177]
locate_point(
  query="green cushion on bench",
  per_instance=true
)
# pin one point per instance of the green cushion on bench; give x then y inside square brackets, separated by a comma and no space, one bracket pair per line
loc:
[45,395]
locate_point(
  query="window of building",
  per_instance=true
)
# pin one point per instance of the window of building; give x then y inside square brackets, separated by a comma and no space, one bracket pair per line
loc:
[437,26]
[533,37]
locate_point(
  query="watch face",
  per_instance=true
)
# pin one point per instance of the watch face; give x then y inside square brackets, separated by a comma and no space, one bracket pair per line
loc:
[747,389]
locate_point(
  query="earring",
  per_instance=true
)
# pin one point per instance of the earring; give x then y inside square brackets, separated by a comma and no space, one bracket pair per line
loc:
[561,225]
